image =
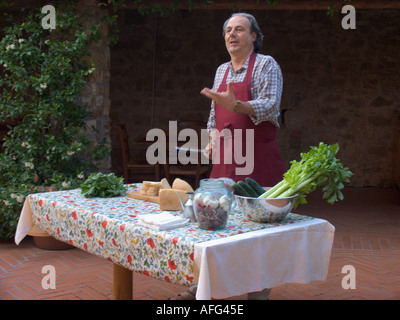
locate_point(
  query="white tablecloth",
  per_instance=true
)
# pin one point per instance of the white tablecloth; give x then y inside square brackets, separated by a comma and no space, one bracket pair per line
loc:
[26,226]
[263,259]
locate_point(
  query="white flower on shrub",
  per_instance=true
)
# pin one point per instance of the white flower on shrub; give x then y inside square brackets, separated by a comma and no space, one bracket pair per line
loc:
[25,144]
[29,165]
[19,198]
[65,184]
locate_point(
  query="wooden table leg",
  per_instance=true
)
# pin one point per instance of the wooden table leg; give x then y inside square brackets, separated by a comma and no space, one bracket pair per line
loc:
[122,283]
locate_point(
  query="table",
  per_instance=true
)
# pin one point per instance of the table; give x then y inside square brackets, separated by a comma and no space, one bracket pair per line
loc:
[254,255]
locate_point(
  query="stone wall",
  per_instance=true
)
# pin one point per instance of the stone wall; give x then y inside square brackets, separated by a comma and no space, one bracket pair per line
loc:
[339,85]
[96,93]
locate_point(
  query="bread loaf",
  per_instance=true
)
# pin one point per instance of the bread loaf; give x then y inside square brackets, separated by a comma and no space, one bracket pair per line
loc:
[165,184]
[149,188]
[180,184]
[169,200]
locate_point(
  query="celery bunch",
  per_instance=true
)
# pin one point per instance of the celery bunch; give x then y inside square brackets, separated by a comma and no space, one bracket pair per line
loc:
[318,167]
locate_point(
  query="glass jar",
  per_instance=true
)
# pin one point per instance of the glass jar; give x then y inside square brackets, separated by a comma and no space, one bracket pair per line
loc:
[212,204]
[228,182]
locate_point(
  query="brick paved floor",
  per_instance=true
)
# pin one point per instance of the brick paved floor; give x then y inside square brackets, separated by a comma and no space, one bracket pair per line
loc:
[367,236]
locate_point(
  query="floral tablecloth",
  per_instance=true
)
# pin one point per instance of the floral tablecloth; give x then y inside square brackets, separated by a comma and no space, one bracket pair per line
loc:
[108,227]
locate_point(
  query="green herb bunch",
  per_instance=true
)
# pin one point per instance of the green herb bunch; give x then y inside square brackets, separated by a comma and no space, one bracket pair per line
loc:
[103,185]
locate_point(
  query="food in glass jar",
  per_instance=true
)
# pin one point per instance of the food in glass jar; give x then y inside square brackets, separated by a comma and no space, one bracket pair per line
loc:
[212,213]
[227,183]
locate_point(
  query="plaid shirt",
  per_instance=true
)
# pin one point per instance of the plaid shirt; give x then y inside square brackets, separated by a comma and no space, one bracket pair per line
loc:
[266,88]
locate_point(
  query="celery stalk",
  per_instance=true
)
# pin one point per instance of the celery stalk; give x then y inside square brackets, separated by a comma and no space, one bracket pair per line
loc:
[273,189]
[315,168]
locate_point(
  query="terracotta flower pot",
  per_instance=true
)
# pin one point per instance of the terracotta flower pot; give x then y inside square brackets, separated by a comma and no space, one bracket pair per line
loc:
[50,243]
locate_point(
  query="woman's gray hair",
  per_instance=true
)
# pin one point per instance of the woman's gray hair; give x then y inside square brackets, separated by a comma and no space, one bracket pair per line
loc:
[253,28]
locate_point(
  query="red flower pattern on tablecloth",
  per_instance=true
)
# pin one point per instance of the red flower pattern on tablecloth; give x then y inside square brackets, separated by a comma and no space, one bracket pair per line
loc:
[150,242]
[190,279]
[172,264]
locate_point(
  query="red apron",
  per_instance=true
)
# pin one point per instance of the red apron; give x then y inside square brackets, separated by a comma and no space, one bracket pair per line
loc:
[268,165]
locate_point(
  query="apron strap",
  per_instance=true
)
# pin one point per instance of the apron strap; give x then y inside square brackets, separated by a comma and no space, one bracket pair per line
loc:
[250,67]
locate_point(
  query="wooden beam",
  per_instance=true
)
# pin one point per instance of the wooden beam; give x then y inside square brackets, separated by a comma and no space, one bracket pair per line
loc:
[281,4]
[308,4]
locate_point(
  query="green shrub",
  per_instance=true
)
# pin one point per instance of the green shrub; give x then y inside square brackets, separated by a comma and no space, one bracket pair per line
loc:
[42,74]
